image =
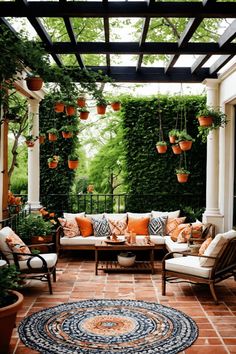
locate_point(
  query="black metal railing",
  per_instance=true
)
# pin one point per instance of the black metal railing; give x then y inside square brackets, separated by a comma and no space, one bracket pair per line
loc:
[13,220]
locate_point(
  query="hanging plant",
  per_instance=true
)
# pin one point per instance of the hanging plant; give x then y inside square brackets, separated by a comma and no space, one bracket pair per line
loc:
[161,147]
[81,101]
[84,113]
[59,107]
[67,131]
[182,175]
[30,140]
[53,161]
[34,82]
[73,161]
[176,149]
[173,135]
[210,119]
[115,105]
[42,138]
[101,104]
[52,134]
[185,140]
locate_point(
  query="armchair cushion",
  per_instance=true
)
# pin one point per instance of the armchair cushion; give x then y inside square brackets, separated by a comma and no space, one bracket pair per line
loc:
[36,263]
[215,247]
[204,246]
[188,265]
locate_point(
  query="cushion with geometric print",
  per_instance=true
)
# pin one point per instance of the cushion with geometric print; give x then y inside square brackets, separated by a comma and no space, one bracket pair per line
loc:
[157,226]
[172,224]
[193,230]
[101,227]
[70,227]
[118,226]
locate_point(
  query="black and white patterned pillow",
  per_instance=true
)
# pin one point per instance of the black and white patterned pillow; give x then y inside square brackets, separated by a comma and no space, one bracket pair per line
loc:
[157,226]
[101,227]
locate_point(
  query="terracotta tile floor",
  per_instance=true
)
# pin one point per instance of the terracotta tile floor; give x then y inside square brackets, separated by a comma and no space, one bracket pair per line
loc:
[76,280]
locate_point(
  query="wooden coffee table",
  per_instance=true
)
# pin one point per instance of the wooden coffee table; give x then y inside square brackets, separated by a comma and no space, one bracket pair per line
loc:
[113,266]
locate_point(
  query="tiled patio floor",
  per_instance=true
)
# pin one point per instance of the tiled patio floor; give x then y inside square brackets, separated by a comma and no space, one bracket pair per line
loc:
[76,280]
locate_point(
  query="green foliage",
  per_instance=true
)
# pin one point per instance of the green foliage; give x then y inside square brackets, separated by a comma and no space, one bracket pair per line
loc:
[181,171]
[9,280]
[34,225]
[73,157]
[60,180]
[161,143]
[219,120]
[149,173]
[53,131]
[174,132]
[184,136]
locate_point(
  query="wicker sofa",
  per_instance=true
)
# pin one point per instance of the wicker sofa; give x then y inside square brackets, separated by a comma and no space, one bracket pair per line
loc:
[161,240]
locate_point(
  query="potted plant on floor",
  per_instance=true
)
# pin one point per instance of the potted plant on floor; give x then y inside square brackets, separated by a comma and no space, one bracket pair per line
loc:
[210,119]
[182,174]
[185,140]
[10,302]
[161,147]
[53,161]
[33,229]
[73,161]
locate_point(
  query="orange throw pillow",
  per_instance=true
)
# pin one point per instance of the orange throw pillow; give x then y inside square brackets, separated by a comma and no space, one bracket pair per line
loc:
[204,246]
[172,224]
[175,233]
[85,226]
[139,226]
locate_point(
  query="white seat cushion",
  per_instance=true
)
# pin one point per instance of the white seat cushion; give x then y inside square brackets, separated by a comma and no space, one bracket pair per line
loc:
[36,262]
[138,215]
[72,215]
[6,231]
[216,246]
[188,265]
[116,216]
[175,246]
[170,214]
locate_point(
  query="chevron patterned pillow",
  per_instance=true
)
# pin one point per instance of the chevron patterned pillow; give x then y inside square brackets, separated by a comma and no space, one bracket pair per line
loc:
[101,227]
[157,226]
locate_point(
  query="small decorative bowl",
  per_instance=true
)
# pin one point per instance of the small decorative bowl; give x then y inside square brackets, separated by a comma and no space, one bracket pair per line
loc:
[126,259]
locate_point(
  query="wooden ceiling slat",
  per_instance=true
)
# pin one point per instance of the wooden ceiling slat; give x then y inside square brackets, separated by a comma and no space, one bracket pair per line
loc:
[228,35]
[118,9]
[199,62]
[135,48]
[224,59]
[71,34]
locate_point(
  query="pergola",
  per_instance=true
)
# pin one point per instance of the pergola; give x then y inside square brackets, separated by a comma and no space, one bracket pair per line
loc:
[195,12]
[219,199]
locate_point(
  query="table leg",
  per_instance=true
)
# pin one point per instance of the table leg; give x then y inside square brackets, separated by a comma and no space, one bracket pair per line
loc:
[96,262]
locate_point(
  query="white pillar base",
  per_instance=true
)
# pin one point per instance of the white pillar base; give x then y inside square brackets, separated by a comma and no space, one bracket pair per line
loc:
[34,205]
[214,217]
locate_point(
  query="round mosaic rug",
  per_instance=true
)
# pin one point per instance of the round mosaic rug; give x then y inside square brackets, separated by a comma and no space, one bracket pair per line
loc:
[108,327]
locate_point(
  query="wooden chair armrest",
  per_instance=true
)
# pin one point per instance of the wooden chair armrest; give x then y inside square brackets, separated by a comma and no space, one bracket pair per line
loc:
[31,256]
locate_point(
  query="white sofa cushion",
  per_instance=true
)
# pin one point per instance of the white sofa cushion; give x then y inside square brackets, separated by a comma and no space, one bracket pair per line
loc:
[72,216]
[188,265]
[116,216]
[174,246]
[170,214]
[215,247]
[36,262]
[138,215]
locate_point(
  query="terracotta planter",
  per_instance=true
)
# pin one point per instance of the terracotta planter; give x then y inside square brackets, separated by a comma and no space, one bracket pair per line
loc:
[37,240]
[81,102]
[115,106]
[42,139]
[52,164]
[67,135]
[34,83]
[59,107]
[176,149]
[172,139]
[161,149]
[73,164]
[30,144]
[101,109]
[84,115]
[70,110]
[52,137]
[7,322]
[185,145]
[205,121]
[182,177]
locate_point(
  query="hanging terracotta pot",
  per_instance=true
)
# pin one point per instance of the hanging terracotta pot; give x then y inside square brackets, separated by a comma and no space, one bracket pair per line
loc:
[59,107]
[101,109]
[30,143]
[161,149]
[42,139]
[185,145]
[84,115]
[73,164]
[67,135]
[115,105]
[52,137]
[172,139]
[52,164]
[70,110]
[34,83]
[205,121]
[182,177]
[176,149]
[81,102]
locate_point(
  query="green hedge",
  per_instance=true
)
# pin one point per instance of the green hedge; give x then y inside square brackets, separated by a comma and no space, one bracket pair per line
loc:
[59,180]
[150,173]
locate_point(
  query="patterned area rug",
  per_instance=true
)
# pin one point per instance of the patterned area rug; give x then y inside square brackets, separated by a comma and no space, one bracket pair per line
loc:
[108,327]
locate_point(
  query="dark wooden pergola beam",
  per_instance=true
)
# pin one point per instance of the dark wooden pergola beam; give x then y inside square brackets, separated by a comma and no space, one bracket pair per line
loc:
[117,9]
[224,59]
[130,74]
[135,48]
[199,62]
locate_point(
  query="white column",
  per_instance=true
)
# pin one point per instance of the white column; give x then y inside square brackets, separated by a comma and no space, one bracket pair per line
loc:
[33,157]
[1,169]
[212,212]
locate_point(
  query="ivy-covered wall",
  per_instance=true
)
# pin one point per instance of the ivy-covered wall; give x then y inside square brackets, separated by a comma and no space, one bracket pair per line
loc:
[59,180]
[152,175]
